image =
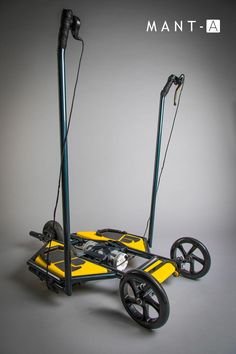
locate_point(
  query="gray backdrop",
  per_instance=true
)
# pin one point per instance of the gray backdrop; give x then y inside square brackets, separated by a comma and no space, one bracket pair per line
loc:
[112,141]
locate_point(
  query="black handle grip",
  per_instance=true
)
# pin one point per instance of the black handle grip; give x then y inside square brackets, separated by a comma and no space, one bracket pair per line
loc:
[66,22]
[37,235]
[168,85]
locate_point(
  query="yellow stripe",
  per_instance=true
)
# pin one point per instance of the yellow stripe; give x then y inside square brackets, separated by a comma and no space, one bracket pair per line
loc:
[162,273]
[153,265]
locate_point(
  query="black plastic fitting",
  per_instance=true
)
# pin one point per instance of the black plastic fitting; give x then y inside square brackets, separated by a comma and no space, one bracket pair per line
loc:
[75,27]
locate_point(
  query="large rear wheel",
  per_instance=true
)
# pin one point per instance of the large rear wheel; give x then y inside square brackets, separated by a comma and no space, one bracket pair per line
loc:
[144,299]
[191,256]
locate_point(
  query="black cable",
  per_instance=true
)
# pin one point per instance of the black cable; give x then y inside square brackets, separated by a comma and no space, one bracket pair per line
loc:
[63,152]
[167,145]
[146,228]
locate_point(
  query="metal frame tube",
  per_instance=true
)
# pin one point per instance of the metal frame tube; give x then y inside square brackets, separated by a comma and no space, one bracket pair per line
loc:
[64,168]
[156,169]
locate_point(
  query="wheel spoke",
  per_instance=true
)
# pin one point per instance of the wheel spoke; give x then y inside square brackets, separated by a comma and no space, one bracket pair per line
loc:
[146,312]
[149,300]
[182,250]
[134,286]
[192,267]
[129,300]
[198,259]
[146,290]
[192,249]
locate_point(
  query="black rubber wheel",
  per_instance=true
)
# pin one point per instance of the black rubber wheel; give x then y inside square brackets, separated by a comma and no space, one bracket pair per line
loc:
[53,230]
[191,256]
[144,299]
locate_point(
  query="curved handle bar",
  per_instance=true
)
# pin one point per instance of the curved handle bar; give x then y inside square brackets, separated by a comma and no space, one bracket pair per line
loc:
[172,79]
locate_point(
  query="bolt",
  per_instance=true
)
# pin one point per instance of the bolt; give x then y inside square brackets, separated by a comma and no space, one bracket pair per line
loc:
[138,301]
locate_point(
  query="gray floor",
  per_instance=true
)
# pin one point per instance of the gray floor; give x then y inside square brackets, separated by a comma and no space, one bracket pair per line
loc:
[93,320]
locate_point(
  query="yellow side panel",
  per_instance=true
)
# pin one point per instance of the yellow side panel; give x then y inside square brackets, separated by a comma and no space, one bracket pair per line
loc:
[136,245]
[51,268]
[87,268]
[162,273]
[91,235]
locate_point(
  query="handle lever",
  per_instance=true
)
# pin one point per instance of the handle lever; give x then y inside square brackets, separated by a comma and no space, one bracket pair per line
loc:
[75,27]
[39,236]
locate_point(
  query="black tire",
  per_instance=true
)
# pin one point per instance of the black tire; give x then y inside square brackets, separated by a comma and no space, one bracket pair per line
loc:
[191,256]
[54,230]
[140,294]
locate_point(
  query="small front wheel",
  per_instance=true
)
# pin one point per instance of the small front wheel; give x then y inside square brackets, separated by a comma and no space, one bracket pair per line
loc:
[144,299]
[191,256]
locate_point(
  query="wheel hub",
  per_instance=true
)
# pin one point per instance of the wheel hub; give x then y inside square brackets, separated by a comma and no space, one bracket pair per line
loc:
[139,301]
